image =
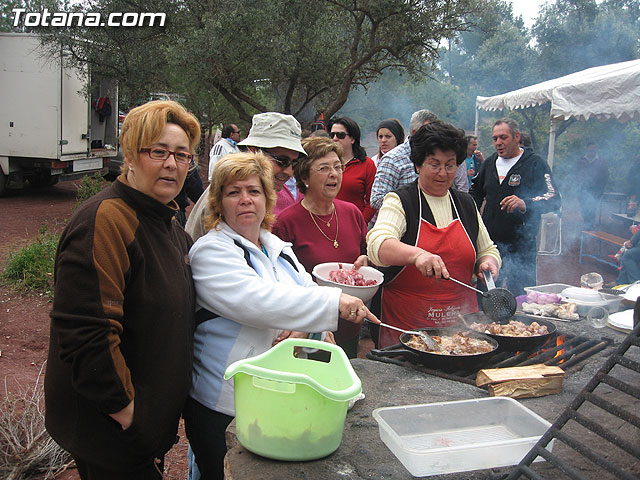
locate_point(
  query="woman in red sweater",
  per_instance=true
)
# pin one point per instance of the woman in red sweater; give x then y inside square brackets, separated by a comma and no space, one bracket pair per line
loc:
[359,171]
[321,227]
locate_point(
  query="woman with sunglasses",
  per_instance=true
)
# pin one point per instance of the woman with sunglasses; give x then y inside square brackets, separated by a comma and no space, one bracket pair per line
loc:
[359,170]
[121,342]
[321,227]
[427,231]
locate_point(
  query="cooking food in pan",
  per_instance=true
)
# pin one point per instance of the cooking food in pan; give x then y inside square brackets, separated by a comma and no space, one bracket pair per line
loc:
[349,277]
[514,328]
[459,343]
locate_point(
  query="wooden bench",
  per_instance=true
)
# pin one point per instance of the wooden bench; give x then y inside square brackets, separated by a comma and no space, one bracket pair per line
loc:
[600,237]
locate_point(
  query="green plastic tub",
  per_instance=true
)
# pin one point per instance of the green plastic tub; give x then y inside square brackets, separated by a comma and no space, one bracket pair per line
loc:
[290,408]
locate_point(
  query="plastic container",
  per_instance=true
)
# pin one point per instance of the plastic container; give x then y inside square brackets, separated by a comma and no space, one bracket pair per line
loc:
[321,274]
[448,437]
[290,408]
[606,300]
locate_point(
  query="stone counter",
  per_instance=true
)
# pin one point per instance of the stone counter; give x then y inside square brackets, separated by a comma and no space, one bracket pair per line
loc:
[362,455]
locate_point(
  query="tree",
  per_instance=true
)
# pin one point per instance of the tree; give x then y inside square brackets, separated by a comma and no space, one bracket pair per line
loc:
[297,57]
[592,35]
[8,15]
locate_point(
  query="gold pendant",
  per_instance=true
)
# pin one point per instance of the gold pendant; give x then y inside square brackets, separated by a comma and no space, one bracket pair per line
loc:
[328,224]
[335,244]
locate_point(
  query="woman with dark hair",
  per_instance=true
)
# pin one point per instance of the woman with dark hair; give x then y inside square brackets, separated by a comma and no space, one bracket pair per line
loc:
[427,231]
[359,170]
[390,134]
[321,227]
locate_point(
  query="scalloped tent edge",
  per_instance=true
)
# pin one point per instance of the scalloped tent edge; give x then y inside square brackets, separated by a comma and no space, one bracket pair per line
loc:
[608,91]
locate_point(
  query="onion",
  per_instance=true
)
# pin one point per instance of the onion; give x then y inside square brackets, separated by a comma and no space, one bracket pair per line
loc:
[548,299]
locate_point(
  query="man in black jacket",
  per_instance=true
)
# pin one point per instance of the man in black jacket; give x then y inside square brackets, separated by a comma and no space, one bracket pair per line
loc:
[517,186]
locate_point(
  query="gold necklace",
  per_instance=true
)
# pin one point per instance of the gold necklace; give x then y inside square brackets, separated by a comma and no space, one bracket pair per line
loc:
[333,211]
[335,240]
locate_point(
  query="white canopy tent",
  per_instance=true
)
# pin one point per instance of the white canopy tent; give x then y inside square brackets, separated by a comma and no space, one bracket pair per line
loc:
[609,91]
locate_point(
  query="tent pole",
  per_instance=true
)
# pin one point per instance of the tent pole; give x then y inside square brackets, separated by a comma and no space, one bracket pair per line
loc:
[475,130]
[552,143]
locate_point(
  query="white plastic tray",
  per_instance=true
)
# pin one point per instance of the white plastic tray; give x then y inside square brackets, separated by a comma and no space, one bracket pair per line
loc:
[610,302]
[448,437]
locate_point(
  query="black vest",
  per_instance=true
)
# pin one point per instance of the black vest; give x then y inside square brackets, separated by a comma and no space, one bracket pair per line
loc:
[409,196]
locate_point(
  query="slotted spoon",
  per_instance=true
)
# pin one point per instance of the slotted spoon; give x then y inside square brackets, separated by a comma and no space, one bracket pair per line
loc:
[497,303]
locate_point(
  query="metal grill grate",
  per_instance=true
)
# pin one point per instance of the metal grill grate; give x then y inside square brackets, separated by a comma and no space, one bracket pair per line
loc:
[576,349]
[608,422]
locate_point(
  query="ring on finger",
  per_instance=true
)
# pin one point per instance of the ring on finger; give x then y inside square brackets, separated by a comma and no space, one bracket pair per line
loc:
[352,313]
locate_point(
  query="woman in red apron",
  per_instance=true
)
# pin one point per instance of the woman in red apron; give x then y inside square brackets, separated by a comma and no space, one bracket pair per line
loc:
[427,232]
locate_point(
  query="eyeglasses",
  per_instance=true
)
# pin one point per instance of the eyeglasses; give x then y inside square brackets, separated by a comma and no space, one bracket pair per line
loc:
[157,153]
[340,135]
[325,169]
[436,167]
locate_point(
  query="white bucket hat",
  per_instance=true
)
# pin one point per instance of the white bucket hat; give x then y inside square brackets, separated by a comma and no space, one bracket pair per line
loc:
[272,129]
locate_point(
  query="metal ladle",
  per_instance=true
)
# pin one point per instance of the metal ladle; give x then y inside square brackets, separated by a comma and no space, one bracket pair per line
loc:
[429,342]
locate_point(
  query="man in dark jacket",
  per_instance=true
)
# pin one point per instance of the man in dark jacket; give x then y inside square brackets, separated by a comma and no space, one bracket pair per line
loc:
[517,186]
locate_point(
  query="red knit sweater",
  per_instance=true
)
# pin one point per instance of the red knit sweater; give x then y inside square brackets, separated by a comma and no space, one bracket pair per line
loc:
[294,225]
[356,185]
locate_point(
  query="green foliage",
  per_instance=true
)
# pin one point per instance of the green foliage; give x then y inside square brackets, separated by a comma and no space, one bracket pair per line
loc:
[296,57]
[88,187]
[592,34]
[8,17]
[31,267]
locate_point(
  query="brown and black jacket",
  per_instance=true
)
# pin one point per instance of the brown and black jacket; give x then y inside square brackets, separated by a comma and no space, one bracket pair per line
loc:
[121,329]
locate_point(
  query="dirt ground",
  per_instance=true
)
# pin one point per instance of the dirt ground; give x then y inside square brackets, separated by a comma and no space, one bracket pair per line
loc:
[24,322]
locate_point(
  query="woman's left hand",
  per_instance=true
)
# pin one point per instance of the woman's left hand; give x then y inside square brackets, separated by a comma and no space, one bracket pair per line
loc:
[361,261]
[488,264]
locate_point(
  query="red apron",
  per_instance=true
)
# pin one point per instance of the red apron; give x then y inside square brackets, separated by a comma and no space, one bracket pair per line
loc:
[412,300]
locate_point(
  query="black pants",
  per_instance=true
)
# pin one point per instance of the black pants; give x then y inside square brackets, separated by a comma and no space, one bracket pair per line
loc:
[630,263]
[89,471]
[205,430]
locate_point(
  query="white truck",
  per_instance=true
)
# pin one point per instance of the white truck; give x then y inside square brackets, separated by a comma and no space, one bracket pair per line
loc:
[51,129]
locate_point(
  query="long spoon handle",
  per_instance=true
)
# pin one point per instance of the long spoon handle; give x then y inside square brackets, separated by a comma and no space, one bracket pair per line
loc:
[393,328]
[466,285]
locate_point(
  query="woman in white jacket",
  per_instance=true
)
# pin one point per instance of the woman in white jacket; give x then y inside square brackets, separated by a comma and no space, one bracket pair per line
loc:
[251,292]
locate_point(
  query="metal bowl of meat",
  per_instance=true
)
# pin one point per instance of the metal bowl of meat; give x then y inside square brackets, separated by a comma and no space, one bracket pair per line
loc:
[362,283]
[461,348]
[516,334]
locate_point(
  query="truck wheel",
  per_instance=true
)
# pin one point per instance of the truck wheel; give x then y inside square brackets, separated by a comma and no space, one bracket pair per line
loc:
[43,179]
[3,184]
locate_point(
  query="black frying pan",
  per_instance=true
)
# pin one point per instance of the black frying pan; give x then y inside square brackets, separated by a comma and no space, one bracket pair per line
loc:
[451,362]
[516,344]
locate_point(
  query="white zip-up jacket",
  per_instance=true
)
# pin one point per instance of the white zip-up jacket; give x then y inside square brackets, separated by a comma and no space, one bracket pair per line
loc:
[254,303]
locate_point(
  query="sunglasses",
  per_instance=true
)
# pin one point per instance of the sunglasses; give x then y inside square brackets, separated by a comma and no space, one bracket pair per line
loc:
[281,161]
[340,135]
